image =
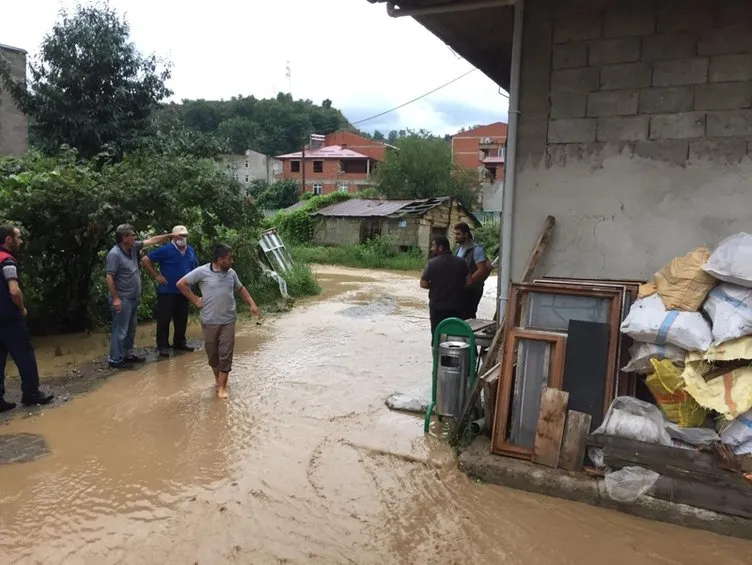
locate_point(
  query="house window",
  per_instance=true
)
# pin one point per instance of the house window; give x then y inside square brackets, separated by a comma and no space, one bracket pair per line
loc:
[318,188]
[246,164]
[343,187]
[353,166]
[294,166]
[318,166]
[246,179]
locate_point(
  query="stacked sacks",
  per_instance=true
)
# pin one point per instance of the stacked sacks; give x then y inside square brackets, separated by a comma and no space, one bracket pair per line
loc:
[665,324]
[716,374]
[730,304]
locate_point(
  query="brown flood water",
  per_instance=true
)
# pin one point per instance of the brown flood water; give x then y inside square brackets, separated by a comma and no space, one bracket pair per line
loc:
[303,464]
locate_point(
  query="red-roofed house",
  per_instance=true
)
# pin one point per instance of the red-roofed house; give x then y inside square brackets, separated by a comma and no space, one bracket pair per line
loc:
[344,163]
[482,149]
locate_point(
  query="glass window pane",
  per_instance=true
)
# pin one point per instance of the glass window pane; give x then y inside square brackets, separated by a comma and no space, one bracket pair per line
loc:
[553,312]
[533,362]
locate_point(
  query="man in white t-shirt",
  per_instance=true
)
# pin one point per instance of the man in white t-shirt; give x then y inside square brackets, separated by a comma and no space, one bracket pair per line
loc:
[218,283]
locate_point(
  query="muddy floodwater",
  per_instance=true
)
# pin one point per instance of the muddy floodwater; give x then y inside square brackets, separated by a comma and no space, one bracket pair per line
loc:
[303,464]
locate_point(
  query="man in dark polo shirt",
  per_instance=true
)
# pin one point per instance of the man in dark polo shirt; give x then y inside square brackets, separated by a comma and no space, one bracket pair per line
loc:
[14,334]
[175,259]
[445,277]
[123,277]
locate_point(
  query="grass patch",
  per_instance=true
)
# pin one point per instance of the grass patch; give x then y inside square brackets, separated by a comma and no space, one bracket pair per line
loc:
[376,254]
[301,282]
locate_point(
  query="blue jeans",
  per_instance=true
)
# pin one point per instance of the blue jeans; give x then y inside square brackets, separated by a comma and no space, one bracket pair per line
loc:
[123,330]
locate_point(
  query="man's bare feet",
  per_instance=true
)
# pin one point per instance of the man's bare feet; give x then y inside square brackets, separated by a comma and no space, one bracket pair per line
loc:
[222,384]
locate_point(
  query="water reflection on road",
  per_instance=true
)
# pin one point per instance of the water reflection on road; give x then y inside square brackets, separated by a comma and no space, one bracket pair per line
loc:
[304,463]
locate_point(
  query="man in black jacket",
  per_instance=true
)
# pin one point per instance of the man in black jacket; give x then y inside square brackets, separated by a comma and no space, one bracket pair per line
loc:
[445,277]
[14,334]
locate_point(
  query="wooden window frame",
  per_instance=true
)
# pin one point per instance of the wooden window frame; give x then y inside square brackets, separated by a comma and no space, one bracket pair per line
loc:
[503,399]
[625,386]
[517,301]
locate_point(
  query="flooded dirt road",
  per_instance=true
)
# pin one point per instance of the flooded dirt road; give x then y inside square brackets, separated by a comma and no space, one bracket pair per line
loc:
[303,464]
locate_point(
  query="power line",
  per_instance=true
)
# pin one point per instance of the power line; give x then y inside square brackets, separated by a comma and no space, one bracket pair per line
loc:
[414,99]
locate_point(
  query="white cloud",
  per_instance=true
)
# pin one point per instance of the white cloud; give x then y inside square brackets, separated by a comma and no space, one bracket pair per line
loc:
[347,50]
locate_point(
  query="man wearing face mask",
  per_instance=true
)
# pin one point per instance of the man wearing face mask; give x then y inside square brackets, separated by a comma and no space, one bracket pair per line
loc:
[175,259]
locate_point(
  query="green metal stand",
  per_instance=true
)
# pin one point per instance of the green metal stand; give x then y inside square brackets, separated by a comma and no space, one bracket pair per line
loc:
[453,327]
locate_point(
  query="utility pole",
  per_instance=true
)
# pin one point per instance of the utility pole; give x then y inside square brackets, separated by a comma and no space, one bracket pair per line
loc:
[302,166]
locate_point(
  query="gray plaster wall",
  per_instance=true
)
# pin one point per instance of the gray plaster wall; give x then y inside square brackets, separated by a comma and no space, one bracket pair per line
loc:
[635,132]
[253,166]
[14,127]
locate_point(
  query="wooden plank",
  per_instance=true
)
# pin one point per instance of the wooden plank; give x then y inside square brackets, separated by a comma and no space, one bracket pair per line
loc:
[671,461]
[479,325]
[717,498]
[490,390]
[548,434]
[573,445]
[540,247]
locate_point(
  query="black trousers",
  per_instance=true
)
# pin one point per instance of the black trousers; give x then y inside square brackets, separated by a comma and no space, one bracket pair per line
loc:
[438,316]
[16,342]
[472,299]
[171,308]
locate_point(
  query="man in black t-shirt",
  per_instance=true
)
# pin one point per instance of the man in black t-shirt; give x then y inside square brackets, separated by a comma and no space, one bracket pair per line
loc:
[445,277]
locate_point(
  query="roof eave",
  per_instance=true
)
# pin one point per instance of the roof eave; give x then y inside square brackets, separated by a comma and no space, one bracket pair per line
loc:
[489,48]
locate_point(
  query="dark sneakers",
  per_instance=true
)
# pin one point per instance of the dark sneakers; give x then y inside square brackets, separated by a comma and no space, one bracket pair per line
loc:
[120,365]
[183,347]
[5,405]
[164,352]
[37,399]
[134,359]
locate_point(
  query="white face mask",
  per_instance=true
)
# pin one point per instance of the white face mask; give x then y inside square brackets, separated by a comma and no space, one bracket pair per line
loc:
[181,242]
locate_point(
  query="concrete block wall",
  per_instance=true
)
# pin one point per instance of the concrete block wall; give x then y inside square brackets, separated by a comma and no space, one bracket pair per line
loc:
[636,74]
[14,127]
[635,128]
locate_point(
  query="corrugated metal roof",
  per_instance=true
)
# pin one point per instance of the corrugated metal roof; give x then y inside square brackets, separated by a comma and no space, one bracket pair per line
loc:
[330,152]
[360,208]
[363,208]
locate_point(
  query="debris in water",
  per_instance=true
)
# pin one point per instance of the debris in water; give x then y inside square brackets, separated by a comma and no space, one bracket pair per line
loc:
[405,403]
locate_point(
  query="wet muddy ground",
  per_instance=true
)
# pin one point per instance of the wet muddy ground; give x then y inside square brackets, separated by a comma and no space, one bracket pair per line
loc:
[303,464]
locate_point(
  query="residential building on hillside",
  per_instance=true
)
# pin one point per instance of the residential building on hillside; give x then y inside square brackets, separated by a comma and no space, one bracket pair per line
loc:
[344,162]
[14,126]
[482,149]
[252,166]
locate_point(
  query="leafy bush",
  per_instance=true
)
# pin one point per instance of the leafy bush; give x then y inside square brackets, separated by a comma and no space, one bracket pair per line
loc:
[488,236]
[69,210]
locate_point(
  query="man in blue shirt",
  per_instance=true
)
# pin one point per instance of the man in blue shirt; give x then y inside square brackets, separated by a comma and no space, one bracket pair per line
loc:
[176,259]
[478,265]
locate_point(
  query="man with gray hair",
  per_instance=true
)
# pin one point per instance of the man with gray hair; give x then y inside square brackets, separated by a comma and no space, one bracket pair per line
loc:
[123,278]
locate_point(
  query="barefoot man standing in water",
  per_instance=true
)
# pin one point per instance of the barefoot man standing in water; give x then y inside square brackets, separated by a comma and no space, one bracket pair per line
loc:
[218,283]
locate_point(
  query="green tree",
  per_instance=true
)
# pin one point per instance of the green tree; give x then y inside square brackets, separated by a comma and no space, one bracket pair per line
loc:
[69,209]
[423,168]
[273,126]
[89,87]
[278,195]
[240,134]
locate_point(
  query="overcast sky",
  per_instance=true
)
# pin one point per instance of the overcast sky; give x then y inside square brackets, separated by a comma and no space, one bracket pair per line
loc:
[347,50]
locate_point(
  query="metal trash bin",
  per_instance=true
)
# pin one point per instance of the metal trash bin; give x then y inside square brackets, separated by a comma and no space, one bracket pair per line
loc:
[451,378]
